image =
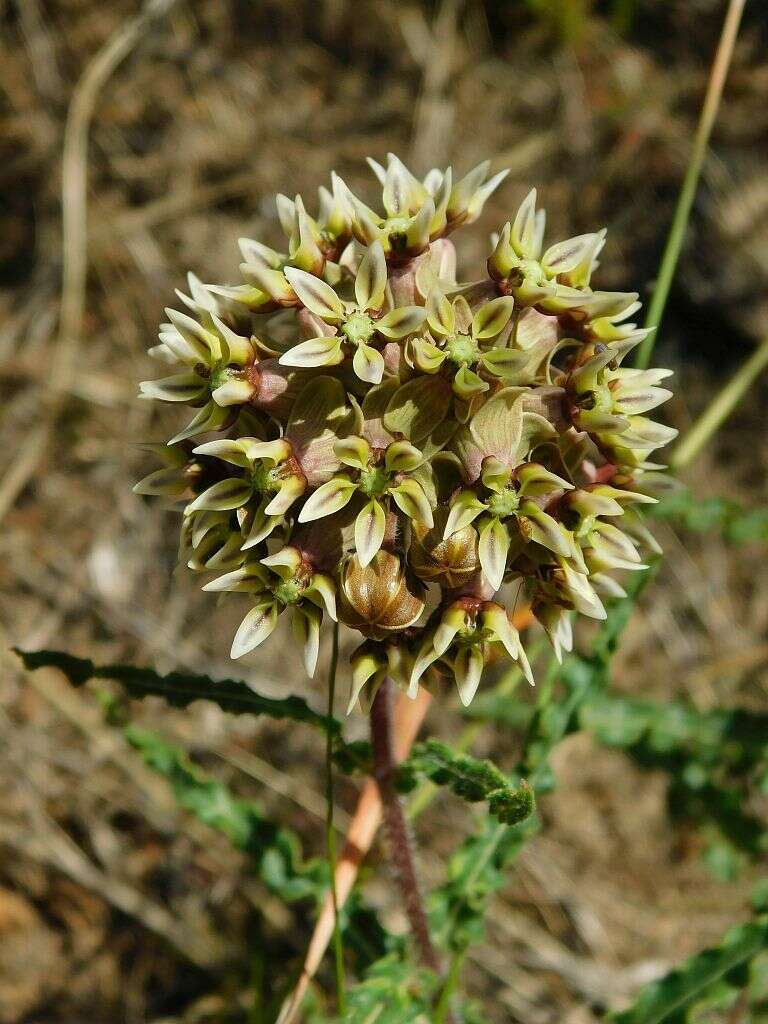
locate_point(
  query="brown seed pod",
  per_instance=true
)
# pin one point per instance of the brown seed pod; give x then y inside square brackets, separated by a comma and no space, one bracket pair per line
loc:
[381,598]
[452,561]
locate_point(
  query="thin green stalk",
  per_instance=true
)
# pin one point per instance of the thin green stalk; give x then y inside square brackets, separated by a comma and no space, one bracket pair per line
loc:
[443,1008]
[693,172]
[721,407]
[330,835]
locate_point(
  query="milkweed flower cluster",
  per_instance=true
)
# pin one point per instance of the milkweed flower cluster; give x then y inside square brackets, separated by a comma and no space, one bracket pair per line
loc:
[373,441]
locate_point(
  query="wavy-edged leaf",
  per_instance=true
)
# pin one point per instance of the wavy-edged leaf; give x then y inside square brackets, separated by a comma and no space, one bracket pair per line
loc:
[471,778]
[392,992]
[180,689]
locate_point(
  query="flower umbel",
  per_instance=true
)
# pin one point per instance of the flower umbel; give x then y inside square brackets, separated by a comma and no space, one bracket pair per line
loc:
[372,428]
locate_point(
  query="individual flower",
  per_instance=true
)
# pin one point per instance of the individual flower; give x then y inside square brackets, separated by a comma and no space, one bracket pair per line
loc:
[510,505]
[556,582]
[215,358]
[266,286]
[556,280]
[212,542]
[357,326]
[465,342]
[608,400]
[466,634]
[604,545]
[506,490]
[280,581]
[416,212]
[382,478]
[273,474]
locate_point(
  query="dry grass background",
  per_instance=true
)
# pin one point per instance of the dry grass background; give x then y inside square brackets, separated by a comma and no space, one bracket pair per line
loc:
[113,904]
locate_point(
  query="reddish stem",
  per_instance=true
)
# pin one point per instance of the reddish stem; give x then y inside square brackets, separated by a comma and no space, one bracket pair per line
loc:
[397,828]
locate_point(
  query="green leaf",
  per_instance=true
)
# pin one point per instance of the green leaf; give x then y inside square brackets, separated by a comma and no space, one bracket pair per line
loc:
[180,689]
[392,992]
[714,759]
[723,737]
[468,777]
[667,999]
[275,851]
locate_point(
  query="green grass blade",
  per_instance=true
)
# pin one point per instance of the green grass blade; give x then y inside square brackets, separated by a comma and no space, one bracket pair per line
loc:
[721,407]
[690,182]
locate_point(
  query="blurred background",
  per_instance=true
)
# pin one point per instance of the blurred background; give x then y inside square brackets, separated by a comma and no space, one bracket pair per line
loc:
[115,906]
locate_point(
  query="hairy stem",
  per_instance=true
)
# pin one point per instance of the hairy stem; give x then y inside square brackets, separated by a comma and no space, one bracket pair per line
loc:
[397,829]
[330,835]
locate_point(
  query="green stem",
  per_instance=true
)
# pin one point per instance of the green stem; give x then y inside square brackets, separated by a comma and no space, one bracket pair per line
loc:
[443,1008]
[693,172]
[721,407]
[330,835]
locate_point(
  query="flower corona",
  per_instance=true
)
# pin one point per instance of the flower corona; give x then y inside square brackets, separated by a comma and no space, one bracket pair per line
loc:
[373,439]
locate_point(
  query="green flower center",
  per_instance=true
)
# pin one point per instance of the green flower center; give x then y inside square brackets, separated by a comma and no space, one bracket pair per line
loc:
[462,349]
[358,328]
[288,591]
[219,374]
[504,504]
[374,482]
[532,271]
[265,480]
[470,636]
